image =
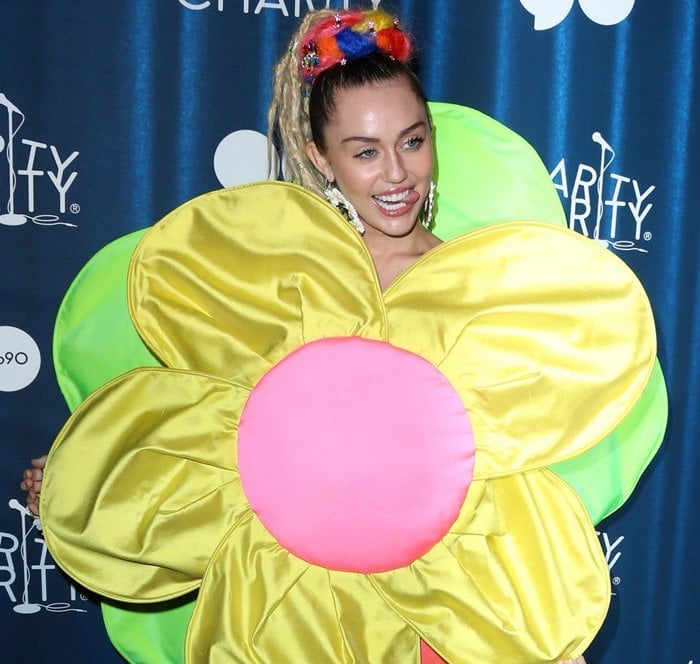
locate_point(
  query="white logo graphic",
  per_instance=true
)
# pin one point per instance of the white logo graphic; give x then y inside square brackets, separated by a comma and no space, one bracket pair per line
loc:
[241,157]
[549,13]
[20,359]
[298,6]
[609,207]
[37,174]
[611,552]
[10,545]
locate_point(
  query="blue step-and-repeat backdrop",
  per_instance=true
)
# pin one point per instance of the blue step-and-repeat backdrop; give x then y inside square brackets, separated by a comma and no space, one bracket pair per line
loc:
[114,112]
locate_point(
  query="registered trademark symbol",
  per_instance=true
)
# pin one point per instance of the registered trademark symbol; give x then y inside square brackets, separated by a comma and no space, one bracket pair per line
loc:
[75,208]
[647,235]
[83,597]
[616,580]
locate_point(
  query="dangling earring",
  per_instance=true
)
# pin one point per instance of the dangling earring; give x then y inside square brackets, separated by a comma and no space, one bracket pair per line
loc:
[344,206]
[428,207]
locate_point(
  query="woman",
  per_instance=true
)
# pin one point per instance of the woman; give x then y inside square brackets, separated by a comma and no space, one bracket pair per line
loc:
[354,126]
[359,133]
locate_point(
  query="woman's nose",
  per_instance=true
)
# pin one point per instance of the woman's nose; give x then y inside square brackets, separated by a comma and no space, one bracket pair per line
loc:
[394,168]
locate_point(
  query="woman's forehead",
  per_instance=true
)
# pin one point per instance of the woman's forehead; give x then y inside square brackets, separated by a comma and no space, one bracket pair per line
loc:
[385,107]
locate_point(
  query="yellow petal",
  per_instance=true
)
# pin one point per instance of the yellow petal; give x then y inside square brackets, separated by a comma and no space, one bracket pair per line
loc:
[232,281]
[259,604]
[371,632]
[548,337]
[533,594]
[479,513]
[141,483]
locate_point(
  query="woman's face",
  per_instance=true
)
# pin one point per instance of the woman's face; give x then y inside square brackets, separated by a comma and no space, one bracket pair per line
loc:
[379,154]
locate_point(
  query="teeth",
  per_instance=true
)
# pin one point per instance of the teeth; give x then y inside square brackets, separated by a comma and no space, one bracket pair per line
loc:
[394,198]
[391,206]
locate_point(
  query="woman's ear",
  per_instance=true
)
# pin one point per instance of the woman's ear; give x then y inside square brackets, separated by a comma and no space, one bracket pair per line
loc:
[319,161]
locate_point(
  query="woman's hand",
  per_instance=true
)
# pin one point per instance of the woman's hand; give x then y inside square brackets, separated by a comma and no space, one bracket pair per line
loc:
[577,660]
[31,483]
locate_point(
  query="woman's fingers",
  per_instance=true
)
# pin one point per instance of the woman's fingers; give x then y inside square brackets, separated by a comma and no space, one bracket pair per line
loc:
[39,462]
[33,503]
[31,483]
[30,479]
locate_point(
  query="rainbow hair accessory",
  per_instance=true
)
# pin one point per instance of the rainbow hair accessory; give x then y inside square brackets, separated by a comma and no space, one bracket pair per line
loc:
[349,35]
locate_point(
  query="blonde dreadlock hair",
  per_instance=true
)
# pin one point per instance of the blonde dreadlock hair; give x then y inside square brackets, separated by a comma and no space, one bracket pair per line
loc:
[288,116]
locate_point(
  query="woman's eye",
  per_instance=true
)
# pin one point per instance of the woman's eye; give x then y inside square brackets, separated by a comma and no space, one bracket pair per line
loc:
[414,142]
[366,154]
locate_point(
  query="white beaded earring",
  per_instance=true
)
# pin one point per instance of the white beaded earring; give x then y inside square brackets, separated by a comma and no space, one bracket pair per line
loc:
[428,206]
[344,206]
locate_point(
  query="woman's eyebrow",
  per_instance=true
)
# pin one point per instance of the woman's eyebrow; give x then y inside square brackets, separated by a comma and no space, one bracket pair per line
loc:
[371,139]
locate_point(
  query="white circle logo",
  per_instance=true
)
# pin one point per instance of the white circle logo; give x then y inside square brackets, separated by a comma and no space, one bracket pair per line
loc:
[241,157]
[549,13]
[605,12]
[20,359]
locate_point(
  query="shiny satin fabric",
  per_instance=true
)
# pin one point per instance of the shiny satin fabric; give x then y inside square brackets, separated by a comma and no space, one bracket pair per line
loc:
[170,472]
[94,315]
[606,475]
[264,289]
[474,156]
[537,306]
[486,174]
[550,605]
[440,595]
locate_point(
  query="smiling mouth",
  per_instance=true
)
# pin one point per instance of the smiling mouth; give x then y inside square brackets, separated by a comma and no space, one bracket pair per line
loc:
[398,203]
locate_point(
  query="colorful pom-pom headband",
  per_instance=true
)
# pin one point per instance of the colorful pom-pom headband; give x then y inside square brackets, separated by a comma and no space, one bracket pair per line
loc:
[345,36]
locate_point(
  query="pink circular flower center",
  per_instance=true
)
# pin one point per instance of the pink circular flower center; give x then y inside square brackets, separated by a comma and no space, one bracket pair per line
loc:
[355,455]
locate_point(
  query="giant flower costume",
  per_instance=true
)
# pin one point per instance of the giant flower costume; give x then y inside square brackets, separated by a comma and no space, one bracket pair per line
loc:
[343,471]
